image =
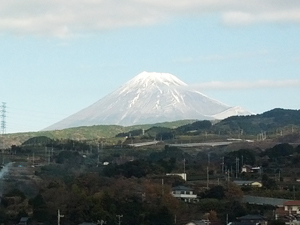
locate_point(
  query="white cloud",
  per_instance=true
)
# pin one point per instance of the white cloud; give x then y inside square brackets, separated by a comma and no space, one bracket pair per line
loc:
[239,55]
[64,17]
[234,85]
[241,18]
[222,57]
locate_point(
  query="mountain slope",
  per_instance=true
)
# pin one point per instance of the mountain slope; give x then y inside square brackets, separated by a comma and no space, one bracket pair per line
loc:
[149,98]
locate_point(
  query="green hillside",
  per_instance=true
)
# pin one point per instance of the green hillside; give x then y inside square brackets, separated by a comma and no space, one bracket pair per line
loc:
[273,121]
[86,132]
[276,122]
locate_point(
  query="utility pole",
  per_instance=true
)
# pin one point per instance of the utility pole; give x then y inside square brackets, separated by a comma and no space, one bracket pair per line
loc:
[59,216]
[3,116]
[207,170]
[101,222]
[98,151]
[223,165]
[208,159]
[46,158]
[119,217]
[207,176]
[237,166]
[242,160]
[294,192]
[228,177]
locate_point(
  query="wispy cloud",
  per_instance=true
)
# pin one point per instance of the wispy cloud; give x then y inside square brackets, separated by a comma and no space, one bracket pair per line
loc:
[242,17]
[240,55]
[259,84]
[63,18]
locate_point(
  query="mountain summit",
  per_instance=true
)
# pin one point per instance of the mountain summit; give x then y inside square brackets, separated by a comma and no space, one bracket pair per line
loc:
[150,98]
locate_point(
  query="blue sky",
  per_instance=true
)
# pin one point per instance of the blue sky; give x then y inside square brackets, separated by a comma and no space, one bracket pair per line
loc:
[57,57]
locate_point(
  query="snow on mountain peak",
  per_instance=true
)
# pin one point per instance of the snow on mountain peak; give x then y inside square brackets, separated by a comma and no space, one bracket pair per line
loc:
[153,78]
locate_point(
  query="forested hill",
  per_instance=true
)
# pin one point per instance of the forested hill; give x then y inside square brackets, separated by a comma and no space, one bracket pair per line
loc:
[275,121]
[86,132]
[269,121]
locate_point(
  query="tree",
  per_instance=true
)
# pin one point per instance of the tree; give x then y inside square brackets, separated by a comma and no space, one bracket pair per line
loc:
[40,211]
[246,157]
[276,222]
[280,150]
[70,158]
[233,192]
[211,216]
[137,168]
[217,192]
[268,183]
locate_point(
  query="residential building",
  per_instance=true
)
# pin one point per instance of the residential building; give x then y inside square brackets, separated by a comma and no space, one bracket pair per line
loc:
[182,175]
[184,193]
[250,169]
[289,212]
[250,220]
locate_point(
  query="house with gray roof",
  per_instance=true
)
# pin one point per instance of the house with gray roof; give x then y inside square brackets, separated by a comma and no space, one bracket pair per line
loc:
[184,193]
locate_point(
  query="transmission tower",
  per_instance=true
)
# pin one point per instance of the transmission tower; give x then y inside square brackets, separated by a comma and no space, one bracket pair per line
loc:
[3,116]
[3,123]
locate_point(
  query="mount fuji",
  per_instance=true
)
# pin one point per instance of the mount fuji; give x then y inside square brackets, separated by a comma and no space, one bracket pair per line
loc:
[149,98]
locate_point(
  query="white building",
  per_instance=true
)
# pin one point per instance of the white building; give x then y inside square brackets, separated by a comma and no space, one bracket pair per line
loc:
[184,193]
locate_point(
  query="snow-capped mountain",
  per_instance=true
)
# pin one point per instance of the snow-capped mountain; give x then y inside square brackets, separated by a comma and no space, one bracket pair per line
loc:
[150,98]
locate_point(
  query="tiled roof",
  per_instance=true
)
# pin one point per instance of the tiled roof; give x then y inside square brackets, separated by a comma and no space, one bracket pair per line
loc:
[252,217]
[181,188]
[292,203]
[243,182]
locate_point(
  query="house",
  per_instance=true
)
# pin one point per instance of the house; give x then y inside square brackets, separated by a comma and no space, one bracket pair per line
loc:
[292,207]
[250,169]
[203,222]
[248,183]
[289,212]
[250,220]
[256,219]
[182,175]
[198,222]
[184,193]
